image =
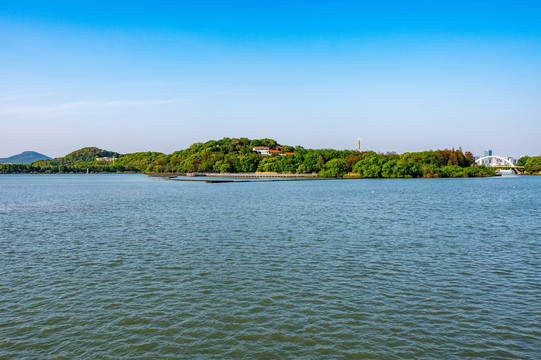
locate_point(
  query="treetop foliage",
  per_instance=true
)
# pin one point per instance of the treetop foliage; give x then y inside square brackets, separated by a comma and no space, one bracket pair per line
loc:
[532,164]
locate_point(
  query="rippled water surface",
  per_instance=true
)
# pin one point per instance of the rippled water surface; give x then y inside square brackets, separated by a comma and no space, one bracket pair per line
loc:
[132,267]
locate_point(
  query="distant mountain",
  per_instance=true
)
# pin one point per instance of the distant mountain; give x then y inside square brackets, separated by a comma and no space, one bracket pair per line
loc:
[26,157]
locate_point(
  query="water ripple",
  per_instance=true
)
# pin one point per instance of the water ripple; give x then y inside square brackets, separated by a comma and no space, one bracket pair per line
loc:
[112,267]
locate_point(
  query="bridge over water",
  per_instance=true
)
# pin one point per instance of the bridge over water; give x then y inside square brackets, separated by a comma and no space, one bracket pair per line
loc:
[499,163]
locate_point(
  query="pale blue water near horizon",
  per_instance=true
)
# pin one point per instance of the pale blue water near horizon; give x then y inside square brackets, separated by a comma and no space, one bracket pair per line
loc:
[133,267]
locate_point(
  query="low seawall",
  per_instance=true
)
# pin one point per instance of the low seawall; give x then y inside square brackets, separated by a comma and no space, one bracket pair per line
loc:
[235,175]
[258,175]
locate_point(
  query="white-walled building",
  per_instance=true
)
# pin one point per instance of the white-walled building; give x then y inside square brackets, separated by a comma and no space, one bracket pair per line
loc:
[262,150]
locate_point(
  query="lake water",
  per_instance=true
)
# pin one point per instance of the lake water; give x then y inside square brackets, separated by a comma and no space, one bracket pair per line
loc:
[133,267]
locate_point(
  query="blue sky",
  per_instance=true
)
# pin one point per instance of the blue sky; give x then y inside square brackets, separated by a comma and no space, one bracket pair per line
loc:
[141,75]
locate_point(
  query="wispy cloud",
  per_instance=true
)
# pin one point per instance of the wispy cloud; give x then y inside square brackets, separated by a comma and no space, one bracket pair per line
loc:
[77,107]
[84,107]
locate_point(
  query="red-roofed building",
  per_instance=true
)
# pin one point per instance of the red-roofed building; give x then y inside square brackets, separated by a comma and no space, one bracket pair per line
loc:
[265,150]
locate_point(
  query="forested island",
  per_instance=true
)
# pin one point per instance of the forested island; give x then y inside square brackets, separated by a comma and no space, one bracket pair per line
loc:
[232,155]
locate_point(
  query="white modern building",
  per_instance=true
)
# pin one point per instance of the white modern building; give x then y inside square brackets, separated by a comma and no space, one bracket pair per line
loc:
[262,150]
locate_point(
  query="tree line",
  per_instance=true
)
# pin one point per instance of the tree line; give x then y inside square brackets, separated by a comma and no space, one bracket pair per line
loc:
[236,155]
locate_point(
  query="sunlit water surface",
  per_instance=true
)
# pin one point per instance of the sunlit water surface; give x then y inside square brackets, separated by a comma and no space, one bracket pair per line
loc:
[130,267]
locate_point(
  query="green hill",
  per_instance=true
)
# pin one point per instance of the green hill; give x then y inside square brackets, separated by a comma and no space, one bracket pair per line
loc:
[83,157]
[90,153]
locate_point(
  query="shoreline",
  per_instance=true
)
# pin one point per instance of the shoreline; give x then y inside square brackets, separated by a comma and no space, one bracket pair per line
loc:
[248,175]
[312,176]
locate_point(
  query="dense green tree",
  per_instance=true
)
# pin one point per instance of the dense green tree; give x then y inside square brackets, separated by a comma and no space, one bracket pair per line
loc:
[532,164]
[522,161]
[334,168]
[248,163]
[225,167]
[301,169]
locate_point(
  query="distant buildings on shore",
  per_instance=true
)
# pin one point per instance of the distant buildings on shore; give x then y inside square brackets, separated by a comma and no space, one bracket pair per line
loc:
[264,150]
[106,159]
